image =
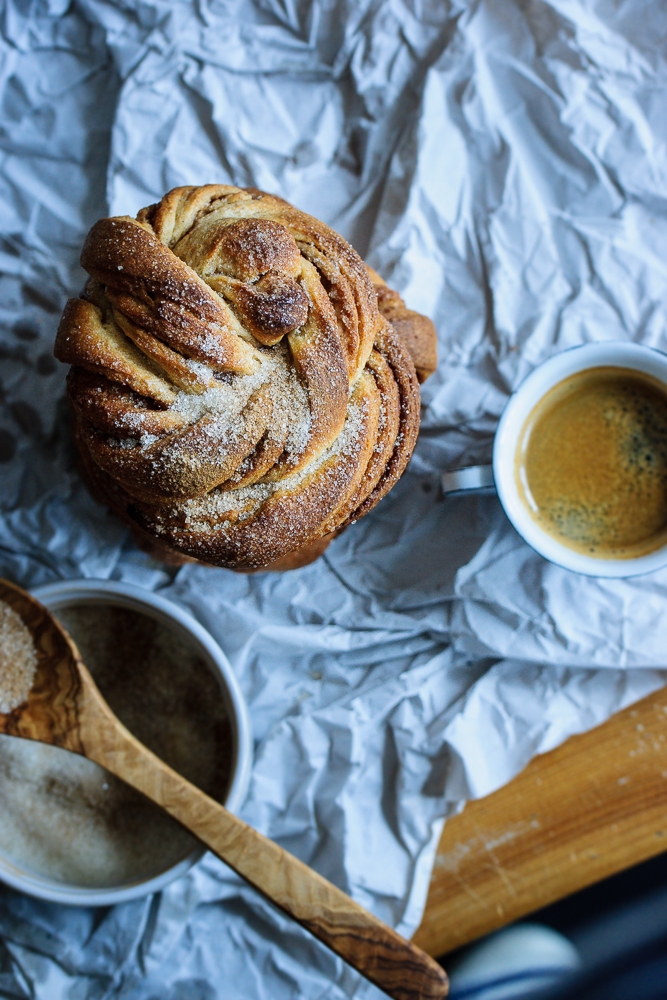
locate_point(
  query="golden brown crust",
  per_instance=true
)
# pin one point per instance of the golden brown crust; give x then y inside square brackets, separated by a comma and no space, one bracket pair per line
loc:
[397,358]
[238,397]
[416,331]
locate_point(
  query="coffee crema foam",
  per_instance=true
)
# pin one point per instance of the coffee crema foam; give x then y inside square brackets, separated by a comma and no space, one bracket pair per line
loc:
[591,464]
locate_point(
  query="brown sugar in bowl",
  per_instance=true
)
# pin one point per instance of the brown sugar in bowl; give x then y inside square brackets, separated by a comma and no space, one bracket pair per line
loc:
[69,831]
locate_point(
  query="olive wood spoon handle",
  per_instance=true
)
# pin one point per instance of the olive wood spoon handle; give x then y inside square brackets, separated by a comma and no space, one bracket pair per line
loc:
[65,708]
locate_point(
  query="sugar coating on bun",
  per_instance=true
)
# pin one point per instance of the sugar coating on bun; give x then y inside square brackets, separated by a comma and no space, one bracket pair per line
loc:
[237,393]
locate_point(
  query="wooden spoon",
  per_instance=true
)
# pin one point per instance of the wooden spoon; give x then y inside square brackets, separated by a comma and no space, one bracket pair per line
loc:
[65,708]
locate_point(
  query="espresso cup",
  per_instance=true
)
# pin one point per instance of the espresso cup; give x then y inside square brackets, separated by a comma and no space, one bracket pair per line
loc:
[503,476]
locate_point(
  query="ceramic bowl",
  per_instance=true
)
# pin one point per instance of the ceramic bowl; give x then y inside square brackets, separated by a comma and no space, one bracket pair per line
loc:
[79,592]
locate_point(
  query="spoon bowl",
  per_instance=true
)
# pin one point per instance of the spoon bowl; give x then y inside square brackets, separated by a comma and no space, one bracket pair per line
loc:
[64,708]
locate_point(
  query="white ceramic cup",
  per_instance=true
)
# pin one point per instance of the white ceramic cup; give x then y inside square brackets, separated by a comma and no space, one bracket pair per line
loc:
[80,592]
[501,475]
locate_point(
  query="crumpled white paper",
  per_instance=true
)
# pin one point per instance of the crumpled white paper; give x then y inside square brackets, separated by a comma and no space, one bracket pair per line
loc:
[504,164]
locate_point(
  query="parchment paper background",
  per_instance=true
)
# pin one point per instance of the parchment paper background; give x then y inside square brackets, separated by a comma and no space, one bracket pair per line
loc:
[504,164]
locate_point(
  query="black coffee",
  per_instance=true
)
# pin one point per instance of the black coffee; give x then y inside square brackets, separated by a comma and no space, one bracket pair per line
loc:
[592,463]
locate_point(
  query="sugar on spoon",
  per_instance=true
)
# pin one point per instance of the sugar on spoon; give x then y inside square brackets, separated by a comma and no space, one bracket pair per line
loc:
[65,708]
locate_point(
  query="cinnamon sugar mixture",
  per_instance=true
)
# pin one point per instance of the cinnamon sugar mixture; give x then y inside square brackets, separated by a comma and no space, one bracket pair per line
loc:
[201,513]
[62,816]
[291,412]
[228,399]
[18,660]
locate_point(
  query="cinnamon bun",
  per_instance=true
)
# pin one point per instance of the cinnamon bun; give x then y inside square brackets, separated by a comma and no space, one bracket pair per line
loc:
[238,395]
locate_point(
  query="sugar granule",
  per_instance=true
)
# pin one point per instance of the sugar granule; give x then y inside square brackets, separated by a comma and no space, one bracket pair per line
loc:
[18,660]
[68,820]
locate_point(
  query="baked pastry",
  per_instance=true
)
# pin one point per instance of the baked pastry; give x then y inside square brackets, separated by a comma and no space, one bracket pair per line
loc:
[238,396]
[416,331]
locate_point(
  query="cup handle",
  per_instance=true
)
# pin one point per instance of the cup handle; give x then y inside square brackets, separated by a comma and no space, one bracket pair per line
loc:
[475,478]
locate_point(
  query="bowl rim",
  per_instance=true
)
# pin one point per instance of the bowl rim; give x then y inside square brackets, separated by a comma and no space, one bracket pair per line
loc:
[162,609]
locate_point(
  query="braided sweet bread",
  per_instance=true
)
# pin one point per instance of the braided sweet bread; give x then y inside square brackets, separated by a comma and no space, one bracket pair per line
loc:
[238,397]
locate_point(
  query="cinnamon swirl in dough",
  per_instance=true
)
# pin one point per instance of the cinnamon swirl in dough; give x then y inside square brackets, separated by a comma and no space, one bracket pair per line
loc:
[238,395]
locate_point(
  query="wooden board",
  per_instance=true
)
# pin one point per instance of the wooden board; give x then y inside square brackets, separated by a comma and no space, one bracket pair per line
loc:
[592,807]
